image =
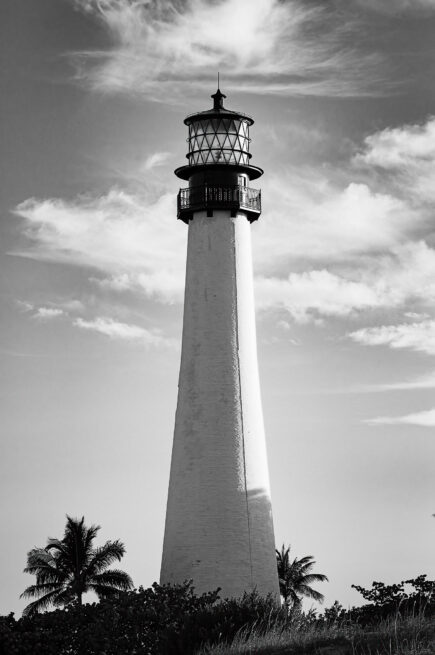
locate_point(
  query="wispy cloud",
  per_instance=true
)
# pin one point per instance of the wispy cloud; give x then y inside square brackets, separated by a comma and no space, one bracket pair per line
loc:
[46,313]
[40,313]
[156,159]
[125,332]
[424,419]
[423,382]
[413,336]
[393,6]
[266,46]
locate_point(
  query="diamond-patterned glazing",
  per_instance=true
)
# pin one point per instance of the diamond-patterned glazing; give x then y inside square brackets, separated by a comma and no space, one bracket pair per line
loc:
[219,140]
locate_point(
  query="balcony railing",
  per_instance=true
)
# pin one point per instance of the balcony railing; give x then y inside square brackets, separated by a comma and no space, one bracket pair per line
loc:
[218,197]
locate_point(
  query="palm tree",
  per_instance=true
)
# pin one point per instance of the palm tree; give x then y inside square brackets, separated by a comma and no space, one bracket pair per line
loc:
[295,578]
[67,568]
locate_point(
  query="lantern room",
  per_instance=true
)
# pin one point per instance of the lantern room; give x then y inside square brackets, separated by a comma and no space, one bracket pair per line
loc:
[218,168]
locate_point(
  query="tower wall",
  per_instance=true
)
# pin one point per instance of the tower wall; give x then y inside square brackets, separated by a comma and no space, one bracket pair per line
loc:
[219,529]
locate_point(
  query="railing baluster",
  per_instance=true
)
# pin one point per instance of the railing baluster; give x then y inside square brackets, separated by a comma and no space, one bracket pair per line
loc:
[241,196]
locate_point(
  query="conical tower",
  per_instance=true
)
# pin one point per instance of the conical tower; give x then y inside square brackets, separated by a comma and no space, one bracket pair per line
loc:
[219,529]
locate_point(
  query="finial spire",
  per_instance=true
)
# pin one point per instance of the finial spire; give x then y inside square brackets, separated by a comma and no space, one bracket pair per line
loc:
[218,98]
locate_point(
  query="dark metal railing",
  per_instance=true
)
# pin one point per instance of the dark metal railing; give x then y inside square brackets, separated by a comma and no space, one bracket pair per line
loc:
[231,197]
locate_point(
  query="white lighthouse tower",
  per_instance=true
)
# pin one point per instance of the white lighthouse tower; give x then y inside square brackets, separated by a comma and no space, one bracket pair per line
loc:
[219,529]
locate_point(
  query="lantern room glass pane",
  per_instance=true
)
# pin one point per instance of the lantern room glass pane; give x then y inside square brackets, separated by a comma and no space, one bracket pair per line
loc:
[224,140]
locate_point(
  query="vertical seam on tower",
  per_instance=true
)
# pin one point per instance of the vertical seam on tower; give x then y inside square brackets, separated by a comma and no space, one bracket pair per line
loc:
[241,407]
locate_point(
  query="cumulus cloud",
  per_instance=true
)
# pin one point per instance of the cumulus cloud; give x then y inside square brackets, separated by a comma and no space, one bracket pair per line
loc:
[266,46]
[423,419]
[310,217]
[306,295]
[133,240]
[414,336]
[383,200]
[408,153]
[371,237]
[391,280]
[124,331]
[325,247]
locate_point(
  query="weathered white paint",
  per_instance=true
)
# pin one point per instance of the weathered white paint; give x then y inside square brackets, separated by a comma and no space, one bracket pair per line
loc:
[219,529]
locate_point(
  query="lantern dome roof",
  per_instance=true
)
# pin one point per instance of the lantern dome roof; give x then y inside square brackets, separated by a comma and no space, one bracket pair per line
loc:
[217,111]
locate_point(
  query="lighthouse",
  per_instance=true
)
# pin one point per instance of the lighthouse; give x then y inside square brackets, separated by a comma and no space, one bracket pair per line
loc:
[219,528]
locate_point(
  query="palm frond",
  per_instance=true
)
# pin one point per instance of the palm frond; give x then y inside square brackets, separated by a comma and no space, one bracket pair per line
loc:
[102,557]
[114,578]
[65,597]
[38,589]
[41,563]
[40,604]
[306,590]
[314,577]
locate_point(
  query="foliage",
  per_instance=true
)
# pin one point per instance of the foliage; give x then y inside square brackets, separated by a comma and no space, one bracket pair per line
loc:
[173,620]
[142,621]
[66,569]
[296,577]
[164,619]
[386,600]
[222,622]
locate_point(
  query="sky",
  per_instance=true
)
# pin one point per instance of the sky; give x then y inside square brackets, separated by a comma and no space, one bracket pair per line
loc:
[94,93]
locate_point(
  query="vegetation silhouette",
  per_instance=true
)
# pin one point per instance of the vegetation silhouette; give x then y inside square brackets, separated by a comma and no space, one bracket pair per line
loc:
[69,567]
[295,578]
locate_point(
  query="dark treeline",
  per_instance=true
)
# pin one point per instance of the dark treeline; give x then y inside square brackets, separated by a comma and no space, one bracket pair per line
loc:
[172,620]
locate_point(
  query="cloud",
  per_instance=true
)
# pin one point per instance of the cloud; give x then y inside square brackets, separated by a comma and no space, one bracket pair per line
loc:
[137,245]
[124,331]
[24,306]
[308,294]
[404,146]
[326,246]
[423,419]
[134,240]
[393,6]
[41,313]
[414,336]
[391,280]
[408,154]
[423,382]
[164,47]
[380,200]
[45,313]
[363,244]
[156,159]
[310,217]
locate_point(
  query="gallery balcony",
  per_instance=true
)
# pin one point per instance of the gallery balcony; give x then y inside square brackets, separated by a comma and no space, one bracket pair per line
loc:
[208,198]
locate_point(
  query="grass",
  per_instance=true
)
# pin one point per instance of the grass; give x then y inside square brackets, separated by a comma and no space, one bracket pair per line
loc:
[400,635]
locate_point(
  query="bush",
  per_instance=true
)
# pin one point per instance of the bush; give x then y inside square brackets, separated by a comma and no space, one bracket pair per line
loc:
[168,619]
[133,622]
[173,620]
